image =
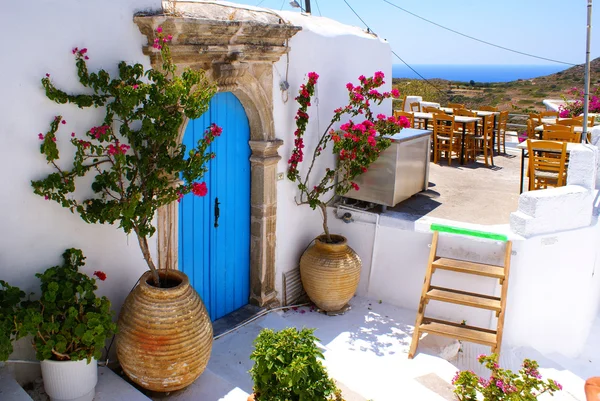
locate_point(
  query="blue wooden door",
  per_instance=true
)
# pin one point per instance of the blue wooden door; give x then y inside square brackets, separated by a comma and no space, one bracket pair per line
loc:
[215,252]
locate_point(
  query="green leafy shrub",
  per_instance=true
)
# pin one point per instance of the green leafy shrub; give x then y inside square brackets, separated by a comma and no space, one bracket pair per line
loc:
[134,155]
[10,302]
[68,322]
[503,384]
[287,367]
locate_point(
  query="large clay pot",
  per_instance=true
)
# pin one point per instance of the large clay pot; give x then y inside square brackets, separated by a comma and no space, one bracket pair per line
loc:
[70,380]
[165,334]
[330,273]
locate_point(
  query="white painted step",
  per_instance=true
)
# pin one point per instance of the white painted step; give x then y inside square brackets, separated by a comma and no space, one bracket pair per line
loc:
[10,389]
[111,387]
[210,387]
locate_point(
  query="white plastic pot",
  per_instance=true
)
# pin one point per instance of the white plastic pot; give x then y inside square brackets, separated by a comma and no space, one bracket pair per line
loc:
[70,380]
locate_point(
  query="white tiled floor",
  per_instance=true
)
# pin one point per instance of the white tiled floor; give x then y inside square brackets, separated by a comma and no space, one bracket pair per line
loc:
[366,349]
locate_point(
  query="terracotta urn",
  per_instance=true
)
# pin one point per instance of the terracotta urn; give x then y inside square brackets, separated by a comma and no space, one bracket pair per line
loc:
[592,389]
[165,334]
[330,273]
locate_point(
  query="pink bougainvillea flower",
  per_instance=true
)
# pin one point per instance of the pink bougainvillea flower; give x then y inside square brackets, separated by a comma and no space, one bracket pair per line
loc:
[47,75]
[135,86]
[41,136]
[101,275]
[83,51]
[72,135]
[63,122]
[180,196]
[75,50]
[215,129]
[159,29]
[46,197]
[86,58]
[199,189]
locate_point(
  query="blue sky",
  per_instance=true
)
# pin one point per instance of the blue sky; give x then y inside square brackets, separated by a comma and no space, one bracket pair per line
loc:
[549,28]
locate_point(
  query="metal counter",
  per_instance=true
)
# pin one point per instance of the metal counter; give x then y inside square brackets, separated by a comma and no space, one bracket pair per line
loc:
[401,170]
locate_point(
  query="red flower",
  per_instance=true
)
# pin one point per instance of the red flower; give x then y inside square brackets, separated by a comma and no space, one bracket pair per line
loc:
[101,275]
[199,189]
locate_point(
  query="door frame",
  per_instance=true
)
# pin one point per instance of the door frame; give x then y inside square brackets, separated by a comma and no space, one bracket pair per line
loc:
[240,60]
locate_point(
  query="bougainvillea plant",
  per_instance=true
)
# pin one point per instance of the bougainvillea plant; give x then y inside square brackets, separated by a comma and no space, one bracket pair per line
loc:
[357,143]
[574,108]
[135,156]
[503,384]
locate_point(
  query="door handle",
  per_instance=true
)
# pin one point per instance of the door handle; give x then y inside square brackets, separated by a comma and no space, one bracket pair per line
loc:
[217,212]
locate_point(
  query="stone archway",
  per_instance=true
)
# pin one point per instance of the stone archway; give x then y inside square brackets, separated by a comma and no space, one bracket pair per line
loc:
[237,49]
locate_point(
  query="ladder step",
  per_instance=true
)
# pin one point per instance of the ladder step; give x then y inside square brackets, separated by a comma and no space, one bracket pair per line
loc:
[464,298]
[463,266]
[459,332]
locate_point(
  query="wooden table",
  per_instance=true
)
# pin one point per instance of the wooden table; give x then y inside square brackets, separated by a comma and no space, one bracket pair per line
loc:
[459,119]
[523,147]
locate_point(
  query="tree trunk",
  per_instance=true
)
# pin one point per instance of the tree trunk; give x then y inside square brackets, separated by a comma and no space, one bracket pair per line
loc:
[143,241]
[325,228]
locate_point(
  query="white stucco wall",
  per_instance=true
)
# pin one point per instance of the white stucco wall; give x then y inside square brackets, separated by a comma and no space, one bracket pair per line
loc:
[339,54]
[35,232]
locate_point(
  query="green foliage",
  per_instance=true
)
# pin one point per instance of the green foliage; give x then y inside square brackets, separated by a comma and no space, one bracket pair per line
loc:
[68,322]
[503,384]
[134,154]
[357,145]
[287,367]
[10,301]
[417,87]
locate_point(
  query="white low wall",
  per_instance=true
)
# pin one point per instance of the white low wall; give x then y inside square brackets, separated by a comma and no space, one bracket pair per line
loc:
[554,290]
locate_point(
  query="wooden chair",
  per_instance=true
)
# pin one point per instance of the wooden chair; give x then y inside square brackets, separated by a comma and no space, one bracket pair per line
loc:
[531,132]
[575,122]
[484,142]
[470,127]
[409,116]
[456,106]
[547,171]
[488,108]
[563,133]
[431,109]
[444,138]
[415,106]
[549,114]
[500,131]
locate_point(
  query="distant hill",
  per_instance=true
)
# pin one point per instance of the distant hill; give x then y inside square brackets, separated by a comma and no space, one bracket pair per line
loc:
[523,95]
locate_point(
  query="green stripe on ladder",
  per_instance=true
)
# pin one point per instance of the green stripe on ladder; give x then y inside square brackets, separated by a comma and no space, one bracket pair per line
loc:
[464,231]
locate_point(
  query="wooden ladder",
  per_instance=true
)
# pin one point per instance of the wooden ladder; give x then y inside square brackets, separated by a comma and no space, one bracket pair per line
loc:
[492,338]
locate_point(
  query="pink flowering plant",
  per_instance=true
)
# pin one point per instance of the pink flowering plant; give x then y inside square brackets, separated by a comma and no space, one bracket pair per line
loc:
[503,384]
[134,154]
[357,144]
[574,108]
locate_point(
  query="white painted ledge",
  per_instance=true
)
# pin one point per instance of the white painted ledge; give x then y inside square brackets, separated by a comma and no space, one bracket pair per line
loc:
[553,210]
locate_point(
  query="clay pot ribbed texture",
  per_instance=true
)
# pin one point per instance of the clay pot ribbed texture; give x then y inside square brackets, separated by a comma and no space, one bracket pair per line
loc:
[165,334]
[330,273]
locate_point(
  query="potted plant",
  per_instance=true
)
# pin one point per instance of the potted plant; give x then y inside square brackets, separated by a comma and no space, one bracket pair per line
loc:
[69,325]
[139,165]
[503,384]
[287,366]
[330,269]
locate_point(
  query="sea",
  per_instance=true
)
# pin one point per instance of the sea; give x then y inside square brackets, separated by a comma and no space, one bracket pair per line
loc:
[477,73]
